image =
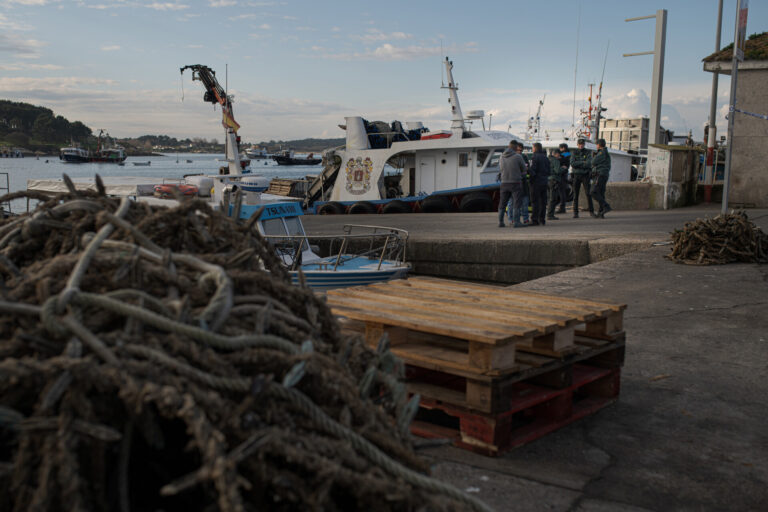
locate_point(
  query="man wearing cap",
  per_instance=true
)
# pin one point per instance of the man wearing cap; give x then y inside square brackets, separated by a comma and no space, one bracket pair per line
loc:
[565,164]
[601,168]
[512,168]
[581,162]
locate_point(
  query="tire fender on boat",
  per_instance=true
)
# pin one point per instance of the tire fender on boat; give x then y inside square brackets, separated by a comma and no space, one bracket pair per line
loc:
[362,207]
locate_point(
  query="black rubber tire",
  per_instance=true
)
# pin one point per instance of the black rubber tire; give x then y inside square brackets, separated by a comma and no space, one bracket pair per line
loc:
[396,206]
[332,208]
[362,207]
[476,202]
[436,204]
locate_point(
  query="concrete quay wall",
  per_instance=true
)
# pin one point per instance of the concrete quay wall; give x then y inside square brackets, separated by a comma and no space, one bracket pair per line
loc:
[512,261]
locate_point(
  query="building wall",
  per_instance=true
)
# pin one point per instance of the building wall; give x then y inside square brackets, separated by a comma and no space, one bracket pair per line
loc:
[628,134]
[749,158]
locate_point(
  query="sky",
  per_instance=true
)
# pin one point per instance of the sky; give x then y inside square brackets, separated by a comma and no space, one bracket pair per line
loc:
[297,68]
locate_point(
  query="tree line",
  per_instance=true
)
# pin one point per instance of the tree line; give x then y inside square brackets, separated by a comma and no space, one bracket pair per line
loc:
[25,125]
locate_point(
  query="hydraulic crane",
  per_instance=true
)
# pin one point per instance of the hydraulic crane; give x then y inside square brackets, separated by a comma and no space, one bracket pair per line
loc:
[215,93]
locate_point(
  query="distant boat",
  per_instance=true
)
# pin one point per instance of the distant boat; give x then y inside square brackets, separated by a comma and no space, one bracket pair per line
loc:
[74,155]
[256,153]
[287,157]
[189,161]
[143,163]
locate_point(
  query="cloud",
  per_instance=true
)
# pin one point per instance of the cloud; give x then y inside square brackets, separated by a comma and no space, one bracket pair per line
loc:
[166,6]
[24,48]
[222,3]
[390,52]
[26,66]
[243,16]
[265,26]
[13,25]
[110,48]
[373,35]
[27,2]
[194,46]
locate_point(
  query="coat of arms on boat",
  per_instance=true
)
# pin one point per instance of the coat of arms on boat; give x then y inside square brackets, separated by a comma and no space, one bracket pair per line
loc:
[358,175]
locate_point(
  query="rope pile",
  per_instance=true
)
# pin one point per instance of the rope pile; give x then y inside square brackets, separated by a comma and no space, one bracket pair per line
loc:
[729,238]
[159,358]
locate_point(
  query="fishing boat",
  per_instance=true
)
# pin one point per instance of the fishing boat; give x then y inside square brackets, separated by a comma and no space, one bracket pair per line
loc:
[107,151]
[380,254]
[74,155]
[287,157]
[255,153]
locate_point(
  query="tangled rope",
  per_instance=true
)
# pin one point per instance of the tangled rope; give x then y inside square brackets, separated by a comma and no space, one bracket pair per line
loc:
[159,358]
[730,238]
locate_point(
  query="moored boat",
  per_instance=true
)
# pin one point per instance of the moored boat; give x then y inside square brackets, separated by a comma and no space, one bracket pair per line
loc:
[287,157]
[74,155]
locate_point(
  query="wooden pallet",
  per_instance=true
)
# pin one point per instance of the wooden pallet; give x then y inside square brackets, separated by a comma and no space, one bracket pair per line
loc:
[491,394]
[464,328]
[533,411]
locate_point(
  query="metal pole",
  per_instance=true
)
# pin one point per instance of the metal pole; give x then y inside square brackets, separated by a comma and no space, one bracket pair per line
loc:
[731,113]
[709,170]
[658,74]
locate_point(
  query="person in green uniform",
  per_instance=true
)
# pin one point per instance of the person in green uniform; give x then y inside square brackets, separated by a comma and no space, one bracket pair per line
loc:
[601,168]
[553,186]
[581,162]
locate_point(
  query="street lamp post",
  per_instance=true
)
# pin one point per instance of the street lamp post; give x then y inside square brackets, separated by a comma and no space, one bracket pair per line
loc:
[660,42]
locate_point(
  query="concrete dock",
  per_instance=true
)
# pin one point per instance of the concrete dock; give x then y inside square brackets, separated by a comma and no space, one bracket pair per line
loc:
[690,428]
[472,246]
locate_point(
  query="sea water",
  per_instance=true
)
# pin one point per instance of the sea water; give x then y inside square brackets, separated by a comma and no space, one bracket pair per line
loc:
[172,165]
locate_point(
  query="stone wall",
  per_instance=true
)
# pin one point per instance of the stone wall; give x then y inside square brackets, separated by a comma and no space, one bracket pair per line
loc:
[749,160]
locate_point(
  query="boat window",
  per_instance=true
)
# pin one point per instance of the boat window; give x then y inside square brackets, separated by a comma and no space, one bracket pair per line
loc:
[494,162]
[482,156]
[463,159]
[294,226]
[273,226]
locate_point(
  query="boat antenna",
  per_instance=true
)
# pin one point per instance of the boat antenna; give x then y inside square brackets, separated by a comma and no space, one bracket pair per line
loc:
[442,70]
[181,77]
[575,70]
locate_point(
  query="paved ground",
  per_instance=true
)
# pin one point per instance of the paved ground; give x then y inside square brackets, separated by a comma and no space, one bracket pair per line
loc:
[690,429]
[637,224]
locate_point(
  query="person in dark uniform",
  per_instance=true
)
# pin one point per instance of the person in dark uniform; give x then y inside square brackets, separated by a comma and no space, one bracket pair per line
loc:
[565,164]
[539,171]
[581,162]
[525,194]
[601,169]
[554,183]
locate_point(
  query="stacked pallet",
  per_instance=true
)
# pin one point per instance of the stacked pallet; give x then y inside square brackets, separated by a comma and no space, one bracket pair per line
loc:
[281,186]
[494,367]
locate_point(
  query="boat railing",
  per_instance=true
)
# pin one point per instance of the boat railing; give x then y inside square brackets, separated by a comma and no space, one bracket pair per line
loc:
[382,243]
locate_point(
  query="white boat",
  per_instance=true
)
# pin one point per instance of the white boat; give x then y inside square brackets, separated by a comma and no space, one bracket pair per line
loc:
[439,170]
[382,255]
[74,155]
[255,153]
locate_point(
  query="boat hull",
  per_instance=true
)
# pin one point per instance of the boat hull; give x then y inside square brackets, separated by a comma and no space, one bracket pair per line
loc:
[74,159]
[286,160]
[351,271]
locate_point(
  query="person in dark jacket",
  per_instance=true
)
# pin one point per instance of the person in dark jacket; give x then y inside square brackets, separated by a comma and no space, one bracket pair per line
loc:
[554,186]
[581,162]
[565,164]
[512,168]
[525,194]
[601,169]
[539,171]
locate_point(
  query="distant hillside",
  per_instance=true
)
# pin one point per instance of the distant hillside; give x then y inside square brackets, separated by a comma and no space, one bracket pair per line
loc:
[307,145]
[37,128]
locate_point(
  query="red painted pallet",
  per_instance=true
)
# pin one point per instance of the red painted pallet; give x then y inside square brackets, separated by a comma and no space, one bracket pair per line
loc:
[532,412]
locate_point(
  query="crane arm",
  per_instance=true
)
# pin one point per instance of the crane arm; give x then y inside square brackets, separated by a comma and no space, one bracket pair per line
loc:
[214,92]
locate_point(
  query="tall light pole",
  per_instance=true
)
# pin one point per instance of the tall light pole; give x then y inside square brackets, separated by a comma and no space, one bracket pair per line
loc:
[660,43]
[739,42]
[709,170]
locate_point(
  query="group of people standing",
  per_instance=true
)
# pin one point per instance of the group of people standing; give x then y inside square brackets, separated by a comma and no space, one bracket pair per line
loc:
[544,182]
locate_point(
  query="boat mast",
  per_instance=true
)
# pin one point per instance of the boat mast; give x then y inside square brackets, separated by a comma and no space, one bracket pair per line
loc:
[457,121]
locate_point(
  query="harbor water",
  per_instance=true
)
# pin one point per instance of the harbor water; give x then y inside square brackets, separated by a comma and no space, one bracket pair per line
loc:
[172,165]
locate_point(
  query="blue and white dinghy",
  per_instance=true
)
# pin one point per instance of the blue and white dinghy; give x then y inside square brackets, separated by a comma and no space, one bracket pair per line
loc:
[379,252]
